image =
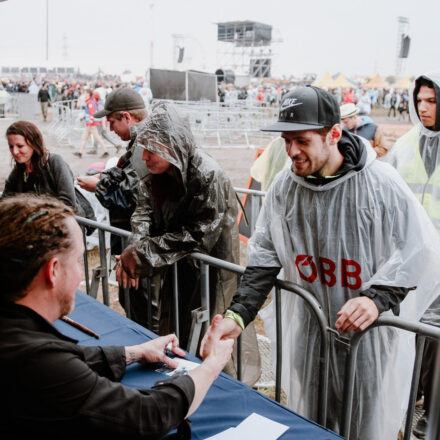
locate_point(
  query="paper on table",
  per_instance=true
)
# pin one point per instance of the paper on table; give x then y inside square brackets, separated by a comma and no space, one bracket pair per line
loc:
[184,367]
[256,427]
[229,434]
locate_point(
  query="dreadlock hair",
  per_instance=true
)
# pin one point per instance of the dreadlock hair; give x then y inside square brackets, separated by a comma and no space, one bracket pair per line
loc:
[32,230]
[34,139]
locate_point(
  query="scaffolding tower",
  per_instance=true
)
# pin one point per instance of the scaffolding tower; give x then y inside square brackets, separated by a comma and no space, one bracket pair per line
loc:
[245,48]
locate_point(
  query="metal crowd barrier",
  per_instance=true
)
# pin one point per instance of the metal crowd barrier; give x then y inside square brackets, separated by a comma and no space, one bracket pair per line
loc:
[213,124]
[22,105]
[235,124]
[326,329]
[66,120]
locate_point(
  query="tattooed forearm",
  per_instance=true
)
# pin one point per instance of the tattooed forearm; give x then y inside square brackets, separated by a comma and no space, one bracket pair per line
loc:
[130,355]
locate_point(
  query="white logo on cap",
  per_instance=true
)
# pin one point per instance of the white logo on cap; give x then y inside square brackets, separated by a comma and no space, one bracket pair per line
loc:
[290,102]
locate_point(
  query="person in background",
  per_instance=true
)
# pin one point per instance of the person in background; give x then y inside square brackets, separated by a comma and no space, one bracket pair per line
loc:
[4,98]
[416,156]
[147,94]
[364,126]
[44,99]
[92,123]
[35,169]
[117,189]
[393,104]
[103,128]
[349,97]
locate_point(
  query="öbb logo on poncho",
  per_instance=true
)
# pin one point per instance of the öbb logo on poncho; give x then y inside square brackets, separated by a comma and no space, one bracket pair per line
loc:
[350,271]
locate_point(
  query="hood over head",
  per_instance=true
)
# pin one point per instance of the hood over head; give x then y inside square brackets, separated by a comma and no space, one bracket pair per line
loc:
[168,134]
[434,77]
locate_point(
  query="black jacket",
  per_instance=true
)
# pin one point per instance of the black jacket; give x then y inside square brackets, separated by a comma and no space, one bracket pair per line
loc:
[192,210]
[56,179]
[43,95]
[53,387]
[117,190]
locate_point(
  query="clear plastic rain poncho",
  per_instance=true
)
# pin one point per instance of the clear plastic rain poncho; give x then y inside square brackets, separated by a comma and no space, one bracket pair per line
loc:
[190,208]
[420,146]
[365,228]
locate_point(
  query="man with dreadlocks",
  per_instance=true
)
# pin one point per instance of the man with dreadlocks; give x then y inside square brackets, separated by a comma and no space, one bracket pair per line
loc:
[51,386]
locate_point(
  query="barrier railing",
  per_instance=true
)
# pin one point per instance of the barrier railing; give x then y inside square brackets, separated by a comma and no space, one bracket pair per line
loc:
[206,261]
[214,125]
[424,331]
[66,120]
[22,105]
[326,329]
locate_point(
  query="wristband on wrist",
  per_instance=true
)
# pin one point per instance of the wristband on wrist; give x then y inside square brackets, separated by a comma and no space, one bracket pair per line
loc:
[236,317]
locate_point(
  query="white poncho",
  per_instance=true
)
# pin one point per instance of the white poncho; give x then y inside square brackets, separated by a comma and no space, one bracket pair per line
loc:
[337,240]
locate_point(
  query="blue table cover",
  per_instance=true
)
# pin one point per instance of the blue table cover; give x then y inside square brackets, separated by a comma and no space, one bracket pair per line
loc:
[228,401]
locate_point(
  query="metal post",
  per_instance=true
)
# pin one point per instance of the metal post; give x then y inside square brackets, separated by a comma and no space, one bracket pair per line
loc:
[350,367]
[414,386]
[86,260]
[239,347]
[239,360]
[279,341]
[255,209]
[104,270]
[434,418]
[126,289]
[204,287]
[323,378]
[150,294]
[176,298]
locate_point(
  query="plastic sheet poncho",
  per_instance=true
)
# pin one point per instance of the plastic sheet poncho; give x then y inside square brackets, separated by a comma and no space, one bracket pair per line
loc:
[420,146]
[191,208]
[365,228]
[273,159]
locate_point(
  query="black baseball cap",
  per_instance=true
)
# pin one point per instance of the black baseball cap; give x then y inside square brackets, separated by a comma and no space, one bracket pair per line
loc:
[121,100]
[306,108]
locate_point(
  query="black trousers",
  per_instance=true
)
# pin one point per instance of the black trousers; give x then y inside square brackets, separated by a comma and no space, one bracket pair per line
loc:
[427,372]
[143,305]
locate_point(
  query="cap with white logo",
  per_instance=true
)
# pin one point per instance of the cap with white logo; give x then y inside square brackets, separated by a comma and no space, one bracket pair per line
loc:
[306,108]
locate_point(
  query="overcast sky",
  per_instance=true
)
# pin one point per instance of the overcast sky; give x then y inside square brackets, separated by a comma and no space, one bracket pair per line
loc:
[352,36]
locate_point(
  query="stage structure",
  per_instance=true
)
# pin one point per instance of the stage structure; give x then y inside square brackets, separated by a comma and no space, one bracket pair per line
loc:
[403,44]
[244,48]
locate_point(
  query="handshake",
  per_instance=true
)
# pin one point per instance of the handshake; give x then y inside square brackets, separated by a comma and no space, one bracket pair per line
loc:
[221,330]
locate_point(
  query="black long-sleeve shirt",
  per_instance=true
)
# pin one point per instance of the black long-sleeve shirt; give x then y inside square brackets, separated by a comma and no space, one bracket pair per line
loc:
[257,282]
[54,387]
[43,95]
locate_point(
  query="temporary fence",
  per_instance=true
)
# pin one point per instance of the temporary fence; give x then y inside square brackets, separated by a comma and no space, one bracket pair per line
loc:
[22,106]
[236,124]
[67,121]
[68,124]
[214,124]
[327,331]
